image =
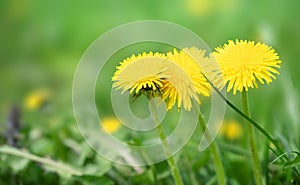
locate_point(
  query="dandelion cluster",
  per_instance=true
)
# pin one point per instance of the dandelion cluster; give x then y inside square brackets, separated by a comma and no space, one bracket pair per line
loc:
[181,76]
[175,76]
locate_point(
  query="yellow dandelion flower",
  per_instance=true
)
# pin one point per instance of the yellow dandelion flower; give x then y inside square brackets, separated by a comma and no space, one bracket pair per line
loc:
[177,77]
[232,130]
[36,99]
[110,125]
[146,71]
[244,62]
[185,81]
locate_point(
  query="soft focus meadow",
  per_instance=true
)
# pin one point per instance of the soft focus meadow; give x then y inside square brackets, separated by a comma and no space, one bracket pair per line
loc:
[42,42]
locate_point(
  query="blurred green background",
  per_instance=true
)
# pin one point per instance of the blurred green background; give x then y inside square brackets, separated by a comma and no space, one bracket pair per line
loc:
[41,43]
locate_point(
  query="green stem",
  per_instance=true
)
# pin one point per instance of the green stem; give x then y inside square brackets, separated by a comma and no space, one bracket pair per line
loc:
[254,123]
[174,168]
[221,177]
[255,160]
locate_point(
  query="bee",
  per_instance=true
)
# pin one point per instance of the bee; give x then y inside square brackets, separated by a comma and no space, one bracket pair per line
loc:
[149,92]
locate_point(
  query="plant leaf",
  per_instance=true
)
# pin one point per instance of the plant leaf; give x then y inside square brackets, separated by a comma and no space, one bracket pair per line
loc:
[293,163]
[54,165]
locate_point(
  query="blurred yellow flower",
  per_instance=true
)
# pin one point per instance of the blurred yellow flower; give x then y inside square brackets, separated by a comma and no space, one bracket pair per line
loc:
[243,62]
[199,7]
[185,80]
[202,8]
[110,124]
[37,99]
[231,130]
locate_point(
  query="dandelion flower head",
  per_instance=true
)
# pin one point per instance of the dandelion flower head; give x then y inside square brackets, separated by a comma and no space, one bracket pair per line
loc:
[185,80]
[145,71]
[244,62]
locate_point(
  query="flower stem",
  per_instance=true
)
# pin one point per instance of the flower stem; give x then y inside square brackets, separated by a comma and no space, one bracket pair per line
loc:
[255,160]
[221,177]
[174,168]
[254,123]
[274,141]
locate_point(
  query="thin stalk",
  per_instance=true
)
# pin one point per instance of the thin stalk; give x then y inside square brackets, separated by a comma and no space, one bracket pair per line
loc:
[221,177]
[280,151]
[254,123]
[173,166]
[255,160]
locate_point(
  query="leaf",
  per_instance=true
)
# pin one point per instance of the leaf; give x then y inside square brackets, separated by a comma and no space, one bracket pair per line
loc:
[147,177]
[162,170]
[42,146]
[58,167]
[91,180]
[15,163]
[284,155]
[85,152]
[103,164]
[293,163]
